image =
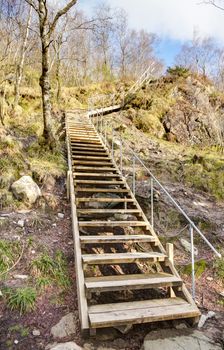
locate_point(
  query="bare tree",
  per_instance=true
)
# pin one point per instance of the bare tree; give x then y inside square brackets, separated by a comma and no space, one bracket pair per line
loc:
[46,28]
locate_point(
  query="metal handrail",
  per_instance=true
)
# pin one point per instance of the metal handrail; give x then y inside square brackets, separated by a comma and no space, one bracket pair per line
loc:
[192,227]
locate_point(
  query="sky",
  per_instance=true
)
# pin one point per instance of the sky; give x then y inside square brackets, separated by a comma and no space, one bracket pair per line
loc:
[174,21]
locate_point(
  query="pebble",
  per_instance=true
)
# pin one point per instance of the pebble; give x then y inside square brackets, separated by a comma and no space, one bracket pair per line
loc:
[21,223]
[222,294]
[54,225]
[36,332]
[33,251]
[1,295]
[21,277]
[61,215]
[16,341]
[209,278]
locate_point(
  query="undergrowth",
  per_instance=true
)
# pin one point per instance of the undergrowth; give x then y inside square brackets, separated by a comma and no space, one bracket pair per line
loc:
[21,299]
[9,253]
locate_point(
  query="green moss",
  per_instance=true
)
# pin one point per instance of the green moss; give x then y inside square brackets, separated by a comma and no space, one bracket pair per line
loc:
[219,268]
[199,266]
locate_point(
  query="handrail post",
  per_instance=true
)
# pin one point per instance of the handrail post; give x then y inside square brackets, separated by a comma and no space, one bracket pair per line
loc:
[112,145]
[97,121]
[105,132]
[192,261]
[121,156]
[133,175]
[152,202]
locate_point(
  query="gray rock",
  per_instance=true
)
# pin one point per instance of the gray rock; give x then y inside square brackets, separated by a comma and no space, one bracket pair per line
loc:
[26,189]
[61,215]
[36,332]
[172,339]
[63,346]
[204,318]
[21,277]
[187,246]
[103,205]
[65,327]
[21,223]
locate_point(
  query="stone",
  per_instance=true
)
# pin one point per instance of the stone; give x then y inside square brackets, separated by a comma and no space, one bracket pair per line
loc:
[187,246]
[181,325]
[103,205]
[173,339]
[21,277]
[221,294]
[36,332]
[21,223]
[16,342]
[65,327]
[61,215]
[210,279]
[204,318]
[26,189]
[63,346]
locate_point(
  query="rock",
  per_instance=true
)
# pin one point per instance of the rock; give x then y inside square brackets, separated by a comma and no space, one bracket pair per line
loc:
[172,339]
[106,334]
[179,325]
[65,327]
[124,329]
[187,246]
[63,346]
[1,295]
[21,223]
[21,277]
[204,318]
[61,215]
[221,294]
[103,205]
[16,342]
[36,332]
[209,278]
[26,189]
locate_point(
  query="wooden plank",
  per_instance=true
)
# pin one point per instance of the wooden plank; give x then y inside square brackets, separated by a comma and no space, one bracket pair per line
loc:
[108,211]
[102,200]
[78,174]
[96,182]
[74,144]
[92,163]
[91,157]
[89,168]
[116,239]
[126,282]
[90,153]
[101,190]
[112,223]
[140,312]
[121,258]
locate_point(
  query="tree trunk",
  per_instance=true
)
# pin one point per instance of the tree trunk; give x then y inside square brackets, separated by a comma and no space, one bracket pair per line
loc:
[46,92]
[20,66]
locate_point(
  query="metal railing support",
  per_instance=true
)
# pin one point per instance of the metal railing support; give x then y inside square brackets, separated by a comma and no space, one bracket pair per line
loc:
[152,201]
[192,261]
[112,144]
[121,157]
[133,175]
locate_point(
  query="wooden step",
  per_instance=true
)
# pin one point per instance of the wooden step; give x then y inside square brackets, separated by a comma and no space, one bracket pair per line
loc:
[107,315]
[101,190]
[91,157]
[116,239]
[88,168]
[90,153]
[96,175]
[126,282]
[121,258]
[96,182]
[109,200]
[108,211]
[75,148]
[83,162]
[112,223]
[83,145]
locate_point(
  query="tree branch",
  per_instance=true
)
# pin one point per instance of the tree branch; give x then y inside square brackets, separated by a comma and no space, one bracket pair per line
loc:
[61,13]
[32,4]
[213,3]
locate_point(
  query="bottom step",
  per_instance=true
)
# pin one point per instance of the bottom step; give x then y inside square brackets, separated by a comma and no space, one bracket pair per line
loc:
[109,315]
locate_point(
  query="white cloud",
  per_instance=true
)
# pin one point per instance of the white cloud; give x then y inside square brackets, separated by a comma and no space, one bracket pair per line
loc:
[176,19]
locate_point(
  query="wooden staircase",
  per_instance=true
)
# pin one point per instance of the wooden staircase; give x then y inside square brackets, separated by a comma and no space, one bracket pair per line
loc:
[124,274]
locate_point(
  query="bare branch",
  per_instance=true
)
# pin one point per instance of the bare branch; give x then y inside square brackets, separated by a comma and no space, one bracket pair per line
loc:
[213,3]
[61,13]
[32,4]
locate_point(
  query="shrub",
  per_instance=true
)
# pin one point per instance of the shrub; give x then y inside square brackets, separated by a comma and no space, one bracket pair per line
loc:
[22,299]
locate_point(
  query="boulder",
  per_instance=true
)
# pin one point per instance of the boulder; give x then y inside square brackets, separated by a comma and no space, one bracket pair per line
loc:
[63,346]
[26,189]
[103,205]
[172,339]
[187,246]
[65,327]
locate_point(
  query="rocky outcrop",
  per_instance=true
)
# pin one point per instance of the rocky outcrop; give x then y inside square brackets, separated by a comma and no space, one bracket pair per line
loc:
[26,189]
[197,117]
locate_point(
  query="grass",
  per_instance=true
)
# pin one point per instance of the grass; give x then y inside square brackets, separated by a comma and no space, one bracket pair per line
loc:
[21,299]
[9,253]
[219,268]
[50,270]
